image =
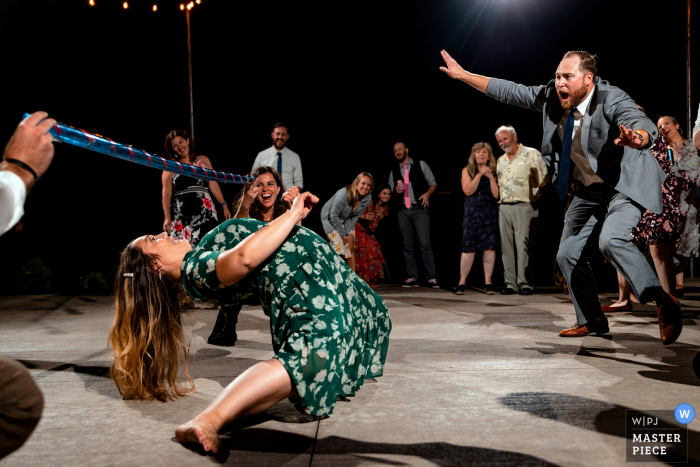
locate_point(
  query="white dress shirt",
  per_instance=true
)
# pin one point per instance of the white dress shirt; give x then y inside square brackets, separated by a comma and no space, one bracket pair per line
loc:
[12,196]
[291,165]
[582,168]
[427,173]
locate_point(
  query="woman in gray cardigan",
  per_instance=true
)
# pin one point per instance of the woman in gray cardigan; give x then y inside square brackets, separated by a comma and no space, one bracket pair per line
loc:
[340,213]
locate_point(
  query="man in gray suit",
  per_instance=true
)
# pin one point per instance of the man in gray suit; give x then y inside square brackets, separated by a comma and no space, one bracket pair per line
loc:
[616,177]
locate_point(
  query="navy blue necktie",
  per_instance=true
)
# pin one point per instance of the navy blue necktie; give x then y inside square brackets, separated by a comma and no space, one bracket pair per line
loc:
[279,163]
[565,162]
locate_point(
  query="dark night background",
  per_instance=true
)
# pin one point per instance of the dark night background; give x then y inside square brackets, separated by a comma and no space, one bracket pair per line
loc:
[349,78]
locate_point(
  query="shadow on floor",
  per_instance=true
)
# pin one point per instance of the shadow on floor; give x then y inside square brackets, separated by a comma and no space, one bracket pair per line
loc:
[279,446]
[584,413]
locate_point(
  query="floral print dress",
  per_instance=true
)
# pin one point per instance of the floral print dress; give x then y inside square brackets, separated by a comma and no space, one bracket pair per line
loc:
[369,255]
[329,329]
[657,229]
[480,230]
[191,208]
[688,165]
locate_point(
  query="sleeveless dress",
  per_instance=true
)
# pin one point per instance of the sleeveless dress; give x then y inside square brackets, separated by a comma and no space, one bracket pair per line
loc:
[191,208]
[329,329]
[480,225]
[369,255]
[688,165]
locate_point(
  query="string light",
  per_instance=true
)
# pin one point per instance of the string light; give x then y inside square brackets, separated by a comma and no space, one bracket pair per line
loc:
[155,7]
[125,5]
[198,2]
[182,6]
[92,2]
[190,5]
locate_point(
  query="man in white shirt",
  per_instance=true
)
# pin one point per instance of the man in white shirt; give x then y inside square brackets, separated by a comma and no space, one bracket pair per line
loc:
[27,156]
[281,158]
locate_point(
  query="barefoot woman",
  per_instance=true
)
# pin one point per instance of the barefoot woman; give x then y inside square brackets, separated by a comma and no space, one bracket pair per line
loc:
[329,330]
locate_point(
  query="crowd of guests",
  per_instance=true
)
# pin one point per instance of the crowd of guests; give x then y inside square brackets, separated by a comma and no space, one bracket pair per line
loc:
[500,210]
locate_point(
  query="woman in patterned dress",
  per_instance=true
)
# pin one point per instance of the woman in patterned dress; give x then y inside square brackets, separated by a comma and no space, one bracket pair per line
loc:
[189,210]
[329,330]
[662,231]
[687,165]
[368,251]
[480,226]
[265,201]
[340,213]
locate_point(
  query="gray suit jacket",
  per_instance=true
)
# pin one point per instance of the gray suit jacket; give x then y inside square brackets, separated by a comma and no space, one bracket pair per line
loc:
[633,172]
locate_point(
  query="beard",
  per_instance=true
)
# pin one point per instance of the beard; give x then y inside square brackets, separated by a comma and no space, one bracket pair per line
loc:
[279,144]
[575,98]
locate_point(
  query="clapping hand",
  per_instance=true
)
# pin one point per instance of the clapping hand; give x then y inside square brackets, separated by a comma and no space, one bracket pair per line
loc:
[290,195]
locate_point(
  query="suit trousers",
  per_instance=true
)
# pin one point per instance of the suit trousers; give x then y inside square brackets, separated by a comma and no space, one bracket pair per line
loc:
[417,217]
[21,404]
[517,223]
[599,216]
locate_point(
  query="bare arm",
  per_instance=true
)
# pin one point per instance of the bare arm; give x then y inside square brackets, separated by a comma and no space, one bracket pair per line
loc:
[469,185]
[215,189]
[167,180]
[235,264]
[455,71]
[494,185]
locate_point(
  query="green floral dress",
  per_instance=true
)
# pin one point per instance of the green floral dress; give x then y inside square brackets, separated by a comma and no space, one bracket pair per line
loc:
[329,329]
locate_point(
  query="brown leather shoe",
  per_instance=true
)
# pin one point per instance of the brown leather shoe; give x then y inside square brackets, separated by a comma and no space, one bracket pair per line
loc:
[670,323]
[579,331]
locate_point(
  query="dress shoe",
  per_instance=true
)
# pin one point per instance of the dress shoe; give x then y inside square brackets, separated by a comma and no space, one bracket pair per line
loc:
[489,289]
[680,291]
[578,330]
[608,309]
[460,290]
[670,323]
[508,291]
[526,291]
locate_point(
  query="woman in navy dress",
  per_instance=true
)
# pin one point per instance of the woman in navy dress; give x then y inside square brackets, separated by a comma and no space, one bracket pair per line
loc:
[480,226]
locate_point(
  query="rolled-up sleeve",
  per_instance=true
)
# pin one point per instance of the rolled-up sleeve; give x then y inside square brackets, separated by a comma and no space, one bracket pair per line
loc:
[12,196]
[429,177]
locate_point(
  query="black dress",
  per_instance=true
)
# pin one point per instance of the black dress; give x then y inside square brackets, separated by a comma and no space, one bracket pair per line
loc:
[480,226]
[191,208]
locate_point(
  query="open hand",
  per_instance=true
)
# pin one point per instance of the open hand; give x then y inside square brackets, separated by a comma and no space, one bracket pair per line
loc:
[424,200]
[453,69]
[629,138]
[303,204]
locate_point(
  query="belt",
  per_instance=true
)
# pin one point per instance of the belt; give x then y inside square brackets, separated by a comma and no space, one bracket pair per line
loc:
[191,189]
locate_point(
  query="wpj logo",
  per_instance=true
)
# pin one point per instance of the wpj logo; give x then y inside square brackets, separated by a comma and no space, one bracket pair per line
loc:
[657,435]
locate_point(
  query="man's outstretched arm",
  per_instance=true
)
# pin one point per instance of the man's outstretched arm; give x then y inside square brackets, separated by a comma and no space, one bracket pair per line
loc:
[455,71]
[529,97]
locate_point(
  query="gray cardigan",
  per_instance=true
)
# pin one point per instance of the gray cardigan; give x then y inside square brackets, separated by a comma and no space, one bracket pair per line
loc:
[337,214]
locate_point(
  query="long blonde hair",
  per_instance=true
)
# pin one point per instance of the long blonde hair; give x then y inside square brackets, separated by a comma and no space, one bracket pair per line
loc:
[147,330]
[471,163]
[351,190]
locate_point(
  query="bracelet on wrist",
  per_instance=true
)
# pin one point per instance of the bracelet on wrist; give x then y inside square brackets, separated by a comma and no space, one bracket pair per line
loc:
[24,166]
[224,204]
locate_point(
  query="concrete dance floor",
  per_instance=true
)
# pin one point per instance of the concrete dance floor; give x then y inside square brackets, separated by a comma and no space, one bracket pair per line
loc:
[469,380]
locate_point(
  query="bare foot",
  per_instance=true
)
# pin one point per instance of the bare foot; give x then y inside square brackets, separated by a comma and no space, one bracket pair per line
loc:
[201,432]
[619,304]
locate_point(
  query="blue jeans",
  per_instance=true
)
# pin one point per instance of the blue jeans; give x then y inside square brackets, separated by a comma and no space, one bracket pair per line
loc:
[417,217]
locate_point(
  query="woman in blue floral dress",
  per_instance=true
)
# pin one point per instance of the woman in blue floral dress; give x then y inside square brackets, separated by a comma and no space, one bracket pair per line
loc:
[329,330]
[480,226]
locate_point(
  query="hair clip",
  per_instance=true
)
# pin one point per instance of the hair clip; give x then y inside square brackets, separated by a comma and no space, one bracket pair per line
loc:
[128,274]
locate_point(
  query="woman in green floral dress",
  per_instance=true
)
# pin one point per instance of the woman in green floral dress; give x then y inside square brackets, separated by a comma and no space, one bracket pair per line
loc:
[329,330]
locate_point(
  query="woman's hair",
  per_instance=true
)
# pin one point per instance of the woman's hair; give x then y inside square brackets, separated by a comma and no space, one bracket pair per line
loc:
[169,144]
[380,188]
[471,163]
[280,207]
[147,330]
[351,190]
[673,119]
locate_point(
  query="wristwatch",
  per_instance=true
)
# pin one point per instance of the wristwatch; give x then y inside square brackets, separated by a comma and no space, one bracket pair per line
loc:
[641,136]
